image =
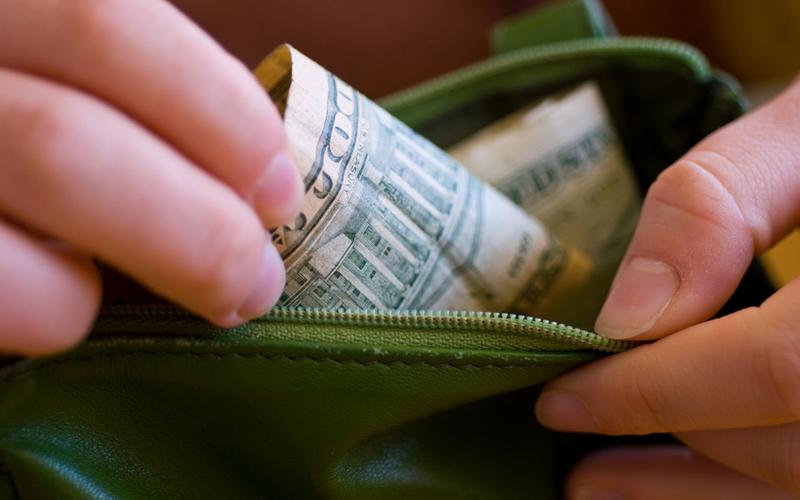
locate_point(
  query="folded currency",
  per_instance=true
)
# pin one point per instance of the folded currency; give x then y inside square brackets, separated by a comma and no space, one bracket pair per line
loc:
[392,222]
[563,163]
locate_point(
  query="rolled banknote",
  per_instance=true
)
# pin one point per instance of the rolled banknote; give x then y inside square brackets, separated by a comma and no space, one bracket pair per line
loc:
[392,222]
[563,163]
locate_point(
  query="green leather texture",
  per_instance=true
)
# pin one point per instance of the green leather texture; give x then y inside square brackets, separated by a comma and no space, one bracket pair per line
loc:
[568,20]
[165,406]
[167,417]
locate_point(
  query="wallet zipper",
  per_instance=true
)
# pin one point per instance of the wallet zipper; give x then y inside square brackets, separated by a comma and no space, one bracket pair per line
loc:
[415,329]
[562,51]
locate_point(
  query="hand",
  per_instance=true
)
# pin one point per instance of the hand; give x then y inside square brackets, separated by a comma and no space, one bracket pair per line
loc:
[728,388]
[128,135]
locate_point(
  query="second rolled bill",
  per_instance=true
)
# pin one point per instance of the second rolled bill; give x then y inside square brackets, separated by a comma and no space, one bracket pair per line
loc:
[392,222]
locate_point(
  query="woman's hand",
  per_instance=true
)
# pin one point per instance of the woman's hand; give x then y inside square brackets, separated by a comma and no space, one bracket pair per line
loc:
[728,388]
[130,136]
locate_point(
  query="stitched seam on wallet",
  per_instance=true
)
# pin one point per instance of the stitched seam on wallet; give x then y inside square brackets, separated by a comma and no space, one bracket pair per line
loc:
[270,358]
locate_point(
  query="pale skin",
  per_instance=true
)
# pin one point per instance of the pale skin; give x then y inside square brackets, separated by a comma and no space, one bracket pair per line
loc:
[131,137]
[728,388]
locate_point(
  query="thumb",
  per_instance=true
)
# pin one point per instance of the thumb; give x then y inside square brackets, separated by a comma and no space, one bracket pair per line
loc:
[703,221]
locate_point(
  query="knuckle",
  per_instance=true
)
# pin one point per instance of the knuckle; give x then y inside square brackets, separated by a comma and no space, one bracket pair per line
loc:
[648,396]
[688,195]
[88,22]
[46,136]
[43,122]
[690,188]
[99,29]
[724,193]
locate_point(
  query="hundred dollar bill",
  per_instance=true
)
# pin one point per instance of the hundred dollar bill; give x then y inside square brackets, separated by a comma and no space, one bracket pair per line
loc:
[562,162]
[392,222]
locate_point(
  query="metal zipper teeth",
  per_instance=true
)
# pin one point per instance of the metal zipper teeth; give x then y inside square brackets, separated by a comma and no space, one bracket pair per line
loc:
[572,49]
[488,322]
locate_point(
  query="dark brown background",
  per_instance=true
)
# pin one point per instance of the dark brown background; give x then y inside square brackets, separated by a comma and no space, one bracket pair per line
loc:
[384,45]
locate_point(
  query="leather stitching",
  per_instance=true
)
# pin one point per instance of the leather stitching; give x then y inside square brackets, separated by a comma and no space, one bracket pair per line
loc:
[277,358]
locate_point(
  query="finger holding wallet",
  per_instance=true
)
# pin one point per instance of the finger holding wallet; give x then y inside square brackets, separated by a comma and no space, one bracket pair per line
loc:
[728,388]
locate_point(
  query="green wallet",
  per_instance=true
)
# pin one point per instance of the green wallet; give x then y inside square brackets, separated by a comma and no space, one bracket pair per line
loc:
[360,404]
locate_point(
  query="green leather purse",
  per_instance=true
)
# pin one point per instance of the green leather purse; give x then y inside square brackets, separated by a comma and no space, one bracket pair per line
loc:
[358,405]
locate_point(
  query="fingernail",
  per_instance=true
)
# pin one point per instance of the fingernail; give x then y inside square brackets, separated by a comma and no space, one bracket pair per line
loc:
[638,298]
[563,411]
[279,194]
[268,288]
[590,493]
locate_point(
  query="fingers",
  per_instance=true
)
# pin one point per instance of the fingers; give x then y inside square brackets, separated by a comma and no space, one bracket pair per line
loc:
[149,60]
[741,370]
[704,219]
[769,453]
[664,472]
[48,297]
[132,201]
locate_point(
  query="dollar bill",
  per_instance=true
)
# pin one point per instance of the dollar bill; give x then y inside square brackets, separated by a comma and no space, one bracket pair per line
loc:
[563,163]
[392,222]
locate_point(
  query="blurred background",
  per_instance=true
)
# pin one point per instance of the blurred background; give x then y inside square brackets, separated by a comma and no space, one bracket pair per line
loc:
[757,41]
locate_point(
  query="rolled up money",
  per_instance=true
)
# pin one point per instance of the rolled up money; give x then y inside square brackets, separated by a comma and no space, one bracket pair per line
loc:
[392,222]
